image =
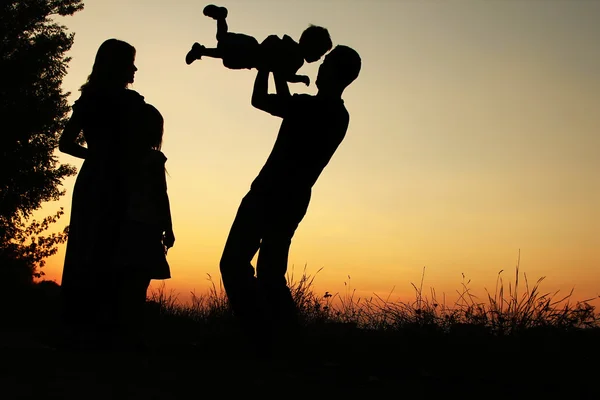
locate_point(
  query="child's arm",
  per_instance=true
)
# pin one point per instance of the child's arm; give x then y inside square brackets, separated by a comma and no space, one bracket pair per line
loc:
[299,78]
[292,64]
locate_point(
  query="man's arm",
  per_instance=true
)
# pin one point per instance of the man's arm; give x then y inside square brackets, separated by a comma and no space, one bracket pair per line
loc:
[68,139]
[275,104]
[281,86]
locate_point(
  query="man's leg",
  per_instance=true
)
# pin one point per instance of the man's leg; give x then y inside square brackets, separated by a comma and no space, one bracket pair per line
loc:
[236,268]
[273,259]
[272,283]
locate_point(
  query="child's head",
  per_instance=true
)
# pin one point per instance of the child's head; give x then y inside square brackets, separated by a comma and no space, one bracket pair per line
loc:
[153,127]
[113,67]
[315,42]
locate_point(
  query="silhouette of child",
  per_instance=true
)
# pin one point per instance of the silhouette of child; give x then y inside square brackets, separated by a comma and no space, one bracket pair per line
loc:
[283,56]
[149,229]
[146,231]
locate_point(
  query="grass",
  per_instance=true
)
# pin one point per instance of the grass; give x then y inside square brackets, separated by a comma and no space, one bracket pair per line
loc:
[516,320]
[510,310]
[516,340]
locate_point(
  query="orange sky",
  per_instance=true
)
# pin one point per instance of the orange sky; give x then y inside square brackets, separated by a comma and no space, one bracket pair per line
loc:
[473,134]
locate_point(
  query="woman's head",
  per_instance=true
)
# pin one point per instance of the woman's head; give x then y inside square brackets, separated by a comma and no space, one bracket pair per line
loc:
[113,67]
[153,127]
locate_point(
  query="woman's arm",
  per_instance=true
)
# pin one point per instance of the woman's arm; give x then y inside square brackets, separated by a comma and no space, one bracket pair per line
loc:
[166,205]
[68,139]
[169,236]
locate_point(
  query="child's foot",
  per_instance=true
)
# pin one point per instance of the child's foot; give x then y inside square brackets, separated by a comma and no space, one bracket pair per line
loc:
[215,12]
[194,54]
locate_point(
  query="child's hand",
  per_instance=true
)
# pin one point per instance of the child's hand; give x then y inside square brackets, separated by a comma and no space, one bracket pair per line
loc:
[305,79]
[168,239]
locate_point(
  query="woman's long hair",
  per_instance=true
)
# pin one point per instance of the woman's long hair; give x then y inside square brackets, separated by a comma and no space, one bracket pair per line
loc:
[153,128]
[154,123]
[112,66]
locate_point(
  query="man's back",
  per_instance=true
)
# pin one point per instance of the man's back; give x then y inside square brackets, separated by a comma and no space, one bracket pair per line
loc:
[310,133]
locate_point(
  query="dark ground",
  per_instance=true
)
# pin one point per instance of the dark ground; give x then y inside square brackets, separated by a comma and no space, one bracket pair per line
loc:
[332,360]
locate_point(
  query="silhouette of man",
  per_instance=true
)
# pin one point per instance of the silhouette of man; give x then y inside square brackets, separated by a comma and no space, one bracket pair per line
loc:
[311,131]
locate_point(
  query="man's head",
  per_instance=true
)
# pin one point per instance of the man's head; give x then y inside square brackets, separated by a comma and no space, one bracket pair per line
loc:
[339,69]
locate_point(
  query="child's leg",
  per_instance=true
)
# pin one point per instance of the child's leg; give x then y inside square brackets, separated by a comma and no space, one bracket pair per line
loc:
[198,51]
[222,28]
[220,15]
[212,53]
[194,54]
[215,12]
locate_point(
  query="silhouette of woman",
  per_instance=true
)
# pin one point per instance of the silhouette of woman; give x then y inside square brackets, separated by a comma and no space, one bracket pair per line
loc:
[147,227]
[106,113]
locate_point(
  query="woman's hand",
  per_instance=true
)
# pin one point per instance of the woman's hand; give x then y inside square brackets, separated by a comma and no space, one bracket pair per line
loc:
[168,239]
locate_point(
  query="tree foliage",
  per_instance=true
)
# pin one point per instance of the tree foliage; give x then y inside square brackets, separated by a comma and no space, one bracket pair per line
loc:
[33,111]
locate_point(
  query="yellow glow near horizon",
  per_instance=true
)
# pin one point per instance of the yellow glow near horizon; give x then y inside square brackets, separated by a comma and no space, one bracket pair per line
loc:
[474,133]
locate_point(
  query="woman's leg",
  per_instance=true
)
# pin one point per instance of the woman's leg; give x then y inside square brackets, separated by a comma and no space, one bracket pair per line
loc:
[132,300]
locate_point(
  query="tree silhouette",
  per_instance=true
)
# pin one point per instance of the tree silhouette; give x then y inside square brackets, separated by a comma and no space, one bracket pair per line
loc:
[33,111]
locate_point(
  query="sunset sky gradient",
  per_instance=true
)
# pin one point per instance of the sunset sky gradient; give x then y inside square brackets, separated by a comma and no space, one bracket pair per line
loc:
[474,132]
